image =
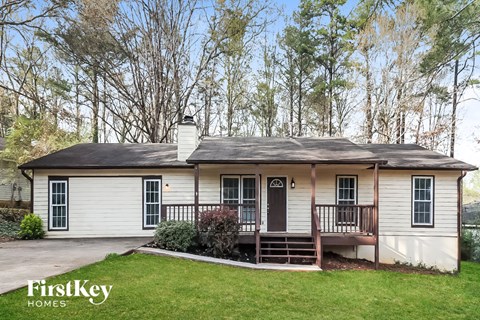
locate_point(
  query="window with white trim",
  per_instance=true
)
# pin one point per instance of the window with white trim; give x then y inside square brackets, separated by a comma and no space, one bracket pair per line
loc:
[422,201]
[240,190]
[152,202]
[58,205]
[346,194]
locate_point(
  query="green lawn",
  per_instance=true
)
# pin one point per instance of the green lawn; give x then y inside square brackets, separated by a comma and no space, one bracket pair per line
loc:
[148,287]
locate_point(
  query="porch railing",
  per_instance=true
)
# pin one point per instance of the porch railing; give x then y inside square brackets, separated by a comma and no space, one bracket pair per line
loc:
[186,212]
[343,218]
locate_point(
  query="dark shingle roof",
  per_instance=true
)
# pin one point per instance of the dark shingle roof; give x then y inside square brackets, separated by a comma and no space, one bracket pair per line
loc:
[110,155]
[247,150]
[280,150]
[412,156]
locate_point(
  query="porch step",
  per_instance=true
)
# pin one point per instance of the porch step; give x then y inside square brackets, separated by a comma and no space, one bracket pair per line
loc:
[287,256]
[291,249]
[287,248]
[287,242]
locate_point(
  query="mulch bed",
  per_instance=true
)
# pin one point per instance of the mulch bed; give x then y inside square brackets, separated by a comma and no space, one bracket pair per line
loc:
[333,262]
[245,253]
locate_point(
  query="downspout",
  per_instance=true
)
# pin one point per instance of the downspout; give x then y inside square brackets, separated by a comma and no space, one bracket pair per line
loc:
[459,218]
[31,188]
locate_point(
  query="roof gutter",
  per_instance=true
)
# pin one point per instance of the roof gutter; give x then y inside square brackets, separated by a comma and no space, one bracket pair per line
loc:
[459,218]
[29,178]
[380,162]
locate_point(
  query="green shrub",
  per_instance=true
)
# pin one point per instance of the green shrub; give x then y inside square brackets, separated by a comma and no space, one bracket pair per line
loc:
[470,245]
[175,235]
[9,229]
[31,227]
[218,231]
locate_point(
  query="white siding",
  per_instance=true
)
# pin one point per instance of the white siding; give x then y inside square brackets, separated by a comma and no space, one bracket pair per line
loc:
[113,206]
[298,199]
[399,241]
[433,251]
[396,203]
[102,203]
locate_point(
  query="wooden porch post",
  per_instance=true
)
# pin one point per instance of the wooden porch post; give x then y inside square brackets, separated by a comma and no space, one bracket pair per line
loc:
[196,185]
[315,233]
[257,213]
[313,184]
[376,216]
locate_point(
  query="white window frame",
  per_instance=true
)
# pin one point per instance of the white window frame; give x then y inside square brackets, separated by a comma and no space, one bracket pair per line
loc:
[240,199]
[431,201]
[355,200]
[51,205]
[145,203]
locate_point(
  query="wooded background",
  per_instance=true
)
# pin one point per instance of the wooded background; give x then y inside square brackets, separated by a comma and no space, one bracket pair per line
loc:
[380,71]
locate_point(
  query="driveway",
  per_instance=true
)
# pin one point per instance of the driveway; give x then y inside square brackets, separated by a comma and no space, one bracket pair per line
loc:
[37,259]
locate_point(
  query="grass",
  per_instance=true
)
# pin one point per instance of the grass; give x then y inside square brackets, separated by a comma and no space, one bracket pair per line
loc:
[148,287]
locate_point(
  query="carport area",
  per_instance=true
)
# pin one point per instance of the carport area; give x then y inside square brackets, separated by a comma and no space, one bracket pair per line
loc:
[38,259]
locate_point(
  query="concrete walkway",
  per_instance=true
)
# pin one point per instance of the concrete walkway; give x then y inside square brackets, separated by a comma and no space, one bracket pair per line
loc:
[24,260]
[260,266]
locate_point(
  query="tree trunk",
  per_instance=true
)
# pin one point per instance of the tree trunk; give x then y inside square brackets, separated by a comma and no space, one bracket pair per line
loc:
[454,111]
[104,111]
[95,106]
[368,108]
[291,102]
[398,118]
[78,115]
[300,92]
[229,101]
[330,103]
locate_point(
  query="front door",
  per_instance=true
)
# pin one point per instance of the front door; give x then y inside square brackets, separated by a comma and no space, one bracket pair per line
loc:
[277,204]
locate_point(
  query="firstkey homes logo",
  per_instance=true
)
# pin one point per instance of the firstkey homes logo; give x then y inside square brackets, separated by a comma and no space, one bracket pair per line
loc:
[96,294]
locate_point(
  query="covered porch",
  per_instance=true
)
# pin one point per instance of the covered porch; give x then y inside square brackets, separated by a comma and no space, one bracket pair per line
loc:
[289,211]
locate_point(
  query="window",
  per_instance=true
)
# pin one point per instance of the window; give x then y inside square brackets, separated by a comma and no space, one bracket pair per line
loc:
[422,201]
[58,204]
[276,183]
[151,199]
[240,190]
[346,194]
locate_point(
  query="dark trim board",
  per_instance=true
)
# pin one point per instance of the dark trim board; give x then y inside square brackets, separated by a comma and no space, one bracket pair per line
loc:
[186,166]
[246,239]
[30,179]
[421,168]
[433,201]
[58,178]
[143,200]
[329,240]
[253,161]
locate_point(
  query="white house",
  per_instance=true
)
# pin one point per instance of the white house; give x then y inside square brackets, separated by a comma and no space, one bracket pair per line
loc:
[295,197]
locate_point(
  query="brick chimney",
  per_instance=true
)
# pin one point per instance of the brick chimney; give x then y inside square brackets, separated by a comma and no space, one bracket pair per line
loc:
[187,138]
